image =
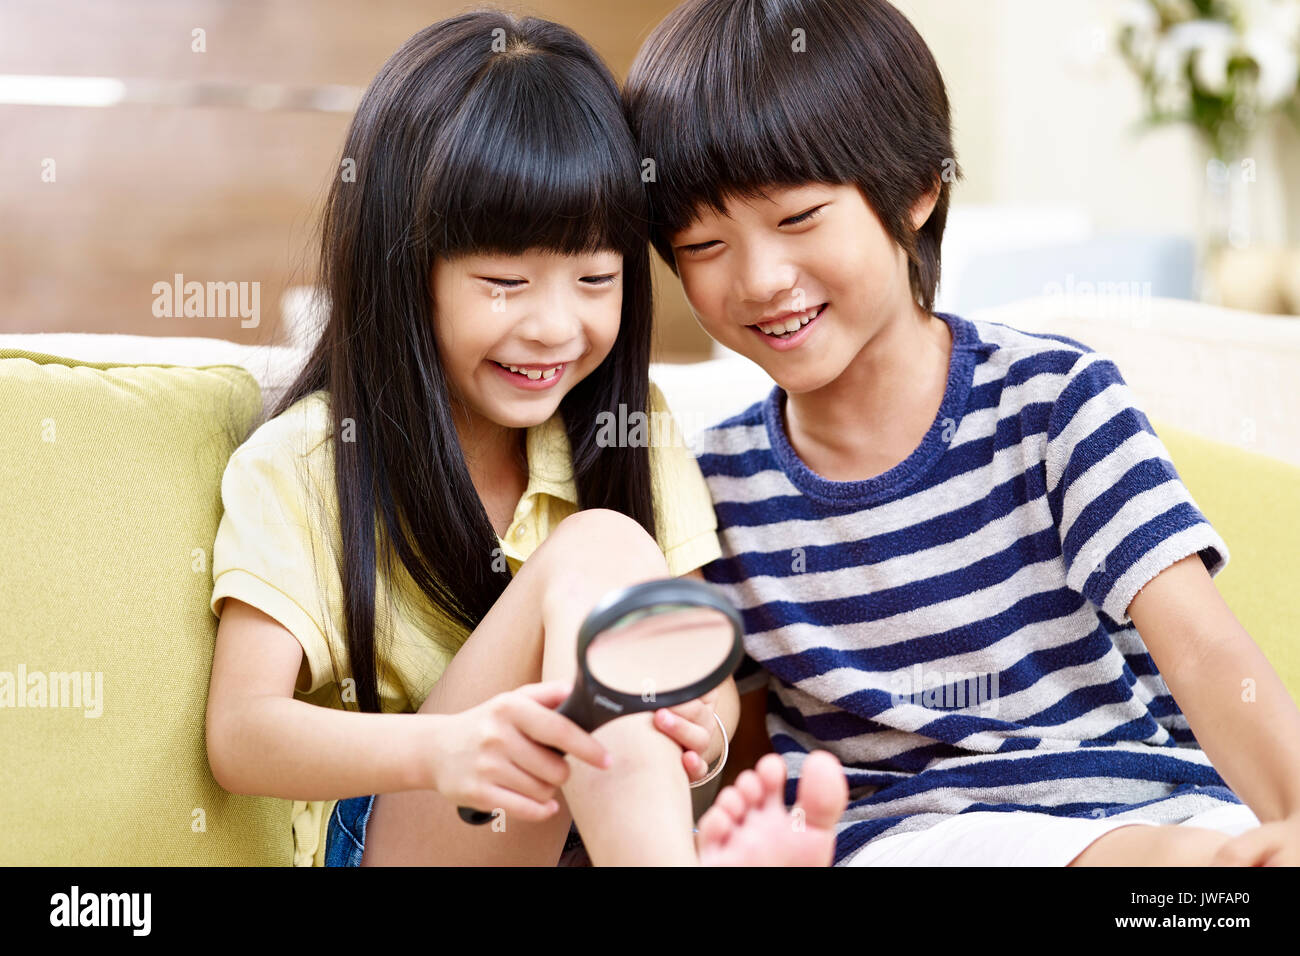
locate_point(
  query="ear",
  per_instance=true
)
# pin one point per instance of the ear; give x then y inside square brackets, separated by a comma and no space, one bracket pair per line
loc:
[925,205]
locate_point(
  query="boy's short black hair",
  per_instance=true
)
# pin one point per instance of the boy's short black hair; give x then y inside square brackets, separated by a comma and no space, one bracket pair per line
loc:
[730,96]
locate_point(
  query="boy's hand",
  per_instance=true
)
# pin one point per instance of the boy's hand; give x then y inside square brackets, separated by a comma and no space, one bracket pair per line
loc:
[692,727]
[1269,844]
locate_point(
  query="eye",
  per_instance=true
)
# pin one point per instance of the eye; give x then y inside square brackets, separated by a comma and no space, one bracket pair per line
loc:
[698,247]
[503,283]
[803,216]
[600,280]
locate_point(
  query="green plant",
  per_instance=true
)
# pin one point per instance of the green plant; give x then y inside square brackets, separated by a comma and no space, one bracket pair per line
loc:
[1219,65]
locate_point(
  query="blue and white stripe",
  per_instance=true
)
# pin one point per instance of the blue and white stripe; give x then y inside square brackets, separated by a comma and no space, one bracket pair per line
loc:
[999,558]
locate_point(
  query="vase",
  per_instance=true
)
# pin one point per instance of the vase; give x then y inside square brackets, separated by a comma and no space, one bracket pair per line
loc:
[1243,218]
[1225,215]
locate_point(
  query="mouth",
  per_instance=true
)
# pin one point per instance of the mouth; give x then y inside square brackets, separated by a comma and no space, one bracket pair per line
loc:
[786,333]
[531,377]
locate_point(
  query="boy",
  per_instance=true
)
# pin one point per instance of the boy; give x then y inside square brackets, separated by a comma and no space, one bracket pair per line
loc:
[965,561]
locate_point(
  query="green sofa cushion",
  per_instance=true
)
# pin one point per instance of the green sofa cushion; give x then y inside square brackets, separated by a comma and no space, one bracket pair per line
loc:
[110,479]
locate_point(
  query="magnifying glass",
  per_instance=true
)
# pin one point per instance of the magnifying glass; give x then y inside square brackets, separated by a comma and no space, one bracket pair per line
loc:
[651,645]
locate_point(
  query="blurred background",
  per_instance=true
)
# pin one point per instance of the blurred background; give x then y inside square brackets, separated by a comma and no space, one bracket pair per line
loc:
[1112,150]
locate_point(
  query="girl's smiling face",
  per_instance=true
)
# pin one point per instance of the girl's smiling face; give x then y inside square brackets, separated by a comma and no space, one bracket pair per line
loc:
[552,317]
[812,263]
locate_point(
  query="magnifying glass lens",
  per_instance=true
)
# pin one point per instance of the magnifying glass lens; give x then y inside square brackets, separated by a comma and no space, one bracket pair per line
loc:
[659,649]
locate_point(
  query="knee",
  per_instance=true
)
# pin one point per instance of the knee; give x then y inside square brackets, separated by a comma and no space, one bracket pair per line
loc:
[599,524]
[599,534]
[1191,846]
[1164,845]
[1172,845]
[597,546]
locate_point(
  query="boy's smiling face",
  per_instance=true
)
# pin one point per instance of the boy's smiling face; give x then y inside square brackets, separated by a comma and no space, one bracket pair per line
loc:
[814,259]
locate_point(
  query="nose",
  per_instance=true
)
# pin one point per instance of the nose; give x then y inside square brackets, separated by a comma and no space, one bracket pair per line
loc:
[552,320]
[765,275]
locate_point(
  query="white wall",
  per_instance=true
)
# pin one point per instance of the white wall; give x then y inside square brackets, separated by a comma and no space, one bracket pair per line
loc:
[1043,112]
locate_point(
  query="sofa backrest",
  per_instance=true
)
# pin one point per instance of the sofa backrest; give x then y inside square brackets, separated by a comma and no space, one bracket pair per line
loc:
[273,366]
[1220,373]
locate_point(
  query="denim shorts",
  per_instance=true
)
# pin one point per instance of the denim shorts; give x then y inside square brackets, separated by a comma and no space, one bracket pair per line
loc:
[345,840]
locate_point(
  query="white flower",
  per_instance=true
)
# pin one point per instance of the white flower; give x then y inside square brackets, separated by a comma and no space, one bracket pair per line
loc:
[1265,31]
[1138,19]
[1281,18]
[1279,67]
[1208,42]
[1211,44]
[1170,59]
[1271,37]
[1140,15]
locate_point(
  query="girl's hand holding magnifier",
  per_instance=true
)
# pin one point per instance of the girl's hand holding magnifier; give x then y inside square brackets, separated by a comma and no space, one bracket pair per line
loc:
[693,727]
[506,752]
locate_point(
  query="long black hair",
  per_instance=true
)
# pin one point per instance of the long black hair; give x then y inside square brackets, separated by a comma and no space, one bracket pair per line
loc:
[482,133]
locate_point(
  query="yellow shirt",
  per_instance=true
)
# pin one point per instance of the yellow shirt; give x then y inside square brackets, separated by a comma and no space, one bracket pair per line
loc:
[277,548]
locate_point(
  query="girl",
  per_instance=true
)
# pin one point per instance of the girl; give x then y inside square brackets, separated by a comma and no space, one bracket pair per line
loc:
[963,556]
[417,532]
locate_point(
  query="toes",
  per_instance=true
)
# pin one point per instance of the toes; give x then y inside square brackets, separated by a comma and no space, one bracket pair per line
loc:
[771,771]
[715,826]
[751,787]
[823,790]
[733,802]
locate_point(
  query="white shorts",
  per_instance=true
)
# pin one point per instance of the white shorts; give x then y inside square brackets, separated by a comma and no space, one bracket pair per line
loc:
[1020,838]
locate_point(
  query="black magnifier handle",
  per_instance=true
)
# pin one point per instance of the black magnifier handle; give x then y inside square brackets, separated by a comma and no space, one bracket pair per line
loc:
[480,817]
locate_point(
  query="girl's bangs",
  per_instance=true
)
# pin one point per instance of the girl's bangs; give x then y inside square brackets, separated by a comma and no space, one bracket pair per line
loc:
[527,165]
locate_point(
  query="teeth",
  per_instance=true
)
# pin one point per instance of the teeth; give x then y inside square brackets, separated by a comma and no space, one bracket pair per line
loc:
[532,374]
[789,325]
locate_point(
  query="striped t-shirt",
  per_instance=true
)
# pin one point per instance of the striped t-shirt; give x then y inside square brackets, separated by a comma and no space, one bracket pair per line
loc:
[955,630]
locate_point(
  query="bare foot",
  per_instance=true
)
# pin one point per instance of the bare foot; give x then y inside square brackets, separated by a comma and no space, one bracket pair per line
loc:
[748,824]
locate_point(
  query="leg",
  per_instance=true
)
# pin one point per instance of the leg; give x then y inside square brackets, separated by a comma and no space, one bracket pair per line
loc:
[639,809]
[1140,845]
